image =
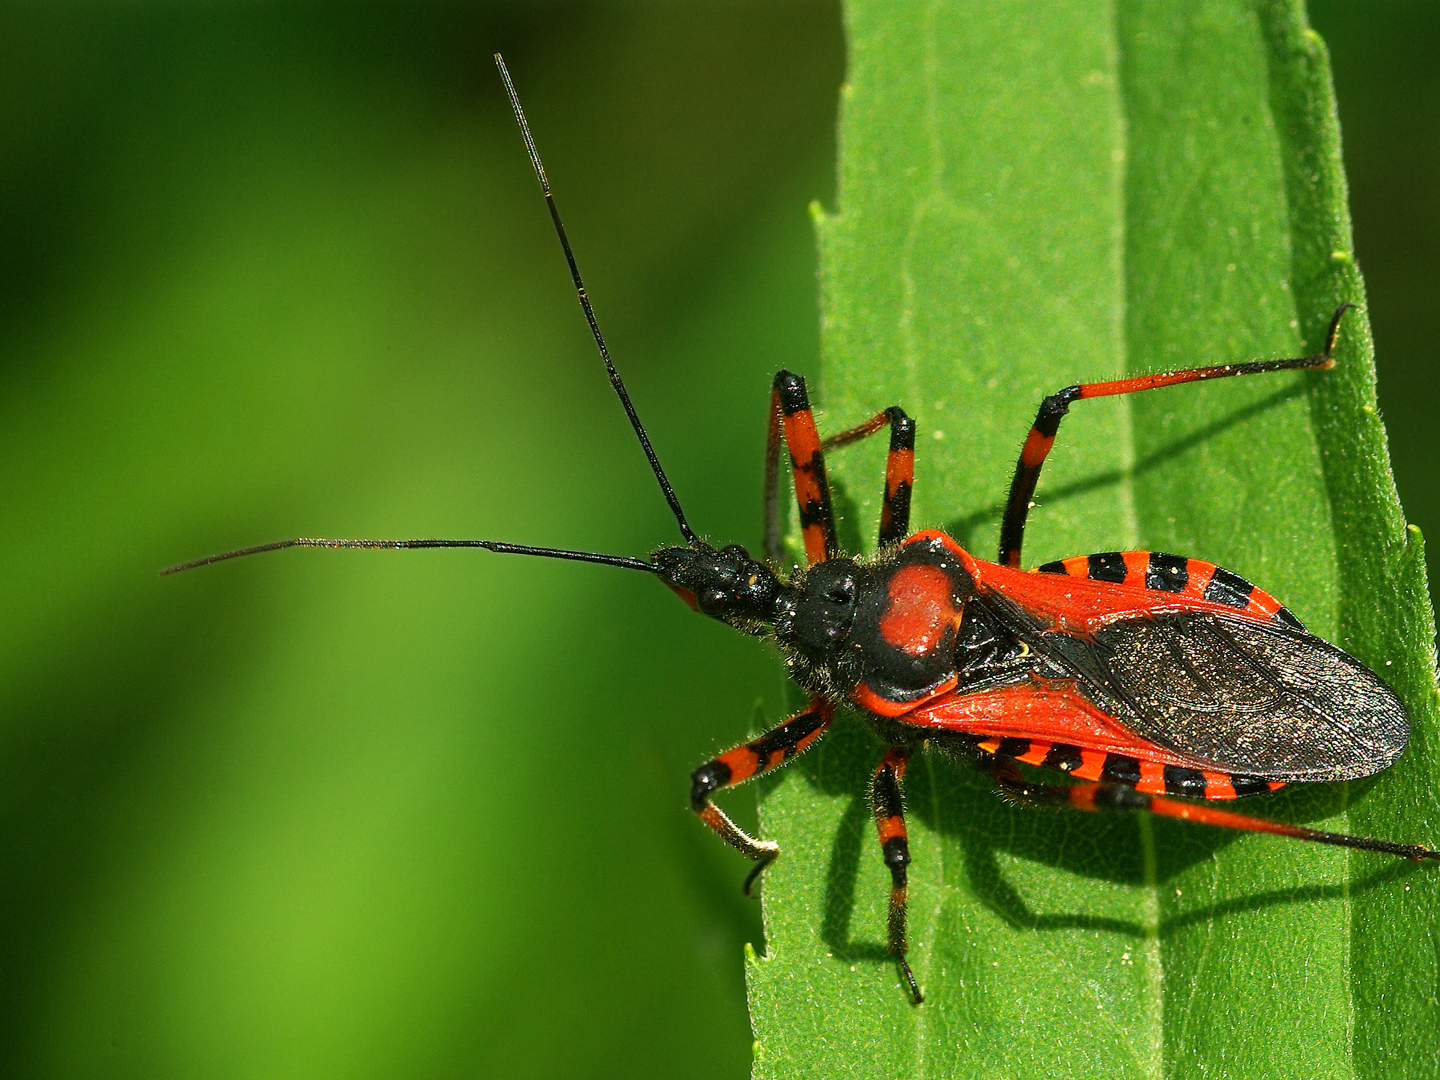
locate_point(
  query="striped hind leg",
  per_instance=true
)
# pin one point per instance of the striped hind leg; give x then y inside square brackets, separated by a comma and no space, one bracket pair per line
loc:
[1053,409]
[1102,797]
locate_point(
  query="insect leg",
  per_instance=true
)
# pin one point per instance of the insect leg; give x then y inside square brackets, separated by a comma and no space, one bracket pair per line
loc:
[899,468]
[790,416]
[774,541]
[1105,797]
[1053,410]
[1015,788]
[889,809]
[899,471]
[775,747]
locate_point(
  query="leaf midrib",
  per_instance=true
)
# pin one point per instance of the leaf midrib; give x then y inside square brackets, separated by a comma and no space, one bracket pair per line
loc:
[1152,1060]
[1173,257]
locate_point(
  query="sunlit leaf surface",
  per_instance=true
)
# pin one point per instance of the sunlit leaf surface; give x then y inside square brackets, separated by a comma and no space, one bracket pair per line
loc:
[1036,194]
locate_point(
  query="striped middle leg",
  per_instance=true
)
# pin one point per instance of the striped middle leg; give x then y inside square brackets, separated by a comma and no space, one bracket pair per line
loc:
[792,418]
[899,468]
[888,807]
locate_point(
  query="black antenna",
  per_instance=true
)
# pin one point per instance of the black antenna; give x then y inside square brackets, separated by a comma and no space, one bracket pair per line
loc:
[488,545]
[615,380]
[622,561]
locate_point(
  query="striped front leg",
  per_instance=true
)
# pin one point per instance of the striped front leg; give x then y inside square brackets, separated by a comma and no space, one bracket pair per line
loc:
[775,747]
[792,418]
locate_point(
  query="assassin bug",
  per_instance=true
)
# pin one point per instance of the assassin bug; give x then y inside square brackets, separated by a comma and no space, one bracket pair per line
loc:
[1142,675]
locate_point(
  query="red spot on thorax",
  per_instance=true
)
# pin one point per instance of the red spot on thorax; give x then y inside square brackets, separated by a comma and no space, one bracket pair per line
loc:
[921,610]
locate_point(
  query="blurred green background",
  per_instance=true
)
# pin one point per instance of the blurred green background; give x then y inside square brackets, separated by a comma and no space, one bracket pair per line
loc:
[270,270]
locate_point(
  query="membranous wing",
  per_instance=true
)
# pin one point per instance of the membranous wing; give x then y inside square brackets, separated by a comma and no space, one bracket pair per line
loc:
[1242,695]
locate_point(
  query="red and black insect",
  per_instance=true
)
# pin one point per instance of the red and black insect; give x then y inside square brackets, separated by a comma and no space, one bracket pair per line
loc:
[1143,676]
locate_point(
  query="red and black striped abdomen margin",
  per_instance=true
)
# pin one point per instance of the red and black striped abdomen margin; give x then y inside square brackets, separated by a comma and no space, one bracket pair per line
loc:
[1176,574]
[1122,770]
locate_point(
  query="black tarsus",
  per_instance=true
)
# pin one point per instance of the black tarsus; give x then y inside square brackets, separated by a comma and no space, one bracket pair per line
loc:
[748,888]
[1334,331]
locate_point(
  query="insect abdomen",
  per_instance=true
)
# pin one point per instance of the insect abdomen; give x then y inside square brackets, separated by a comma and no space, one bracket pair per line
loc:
[1176,574]
[1122,770]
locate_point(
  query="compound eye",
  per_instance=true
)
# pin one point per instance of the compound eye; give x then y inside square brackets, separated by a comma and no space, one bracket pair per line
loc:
[735,549]
[841,593]
[710,602]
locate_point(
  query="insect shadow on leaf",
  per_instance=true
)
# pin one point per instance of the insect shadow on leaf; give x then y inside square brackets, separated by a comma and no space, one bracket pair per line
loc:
[966,528]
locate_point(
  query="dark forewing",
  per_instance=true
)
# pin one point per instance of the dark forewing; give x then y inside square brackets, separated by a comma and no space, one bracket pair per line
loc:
[1252,697]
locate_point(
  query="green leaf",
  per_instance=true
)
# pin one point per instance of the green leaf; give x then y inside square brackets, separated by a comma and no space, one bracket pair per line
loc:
[1035,195]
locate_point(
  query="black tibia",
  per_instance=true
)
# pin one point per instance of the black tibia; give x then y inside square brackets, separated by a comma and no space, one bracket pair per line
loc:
[889,810]
[1027,472]
[1053,410]
[749,759]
